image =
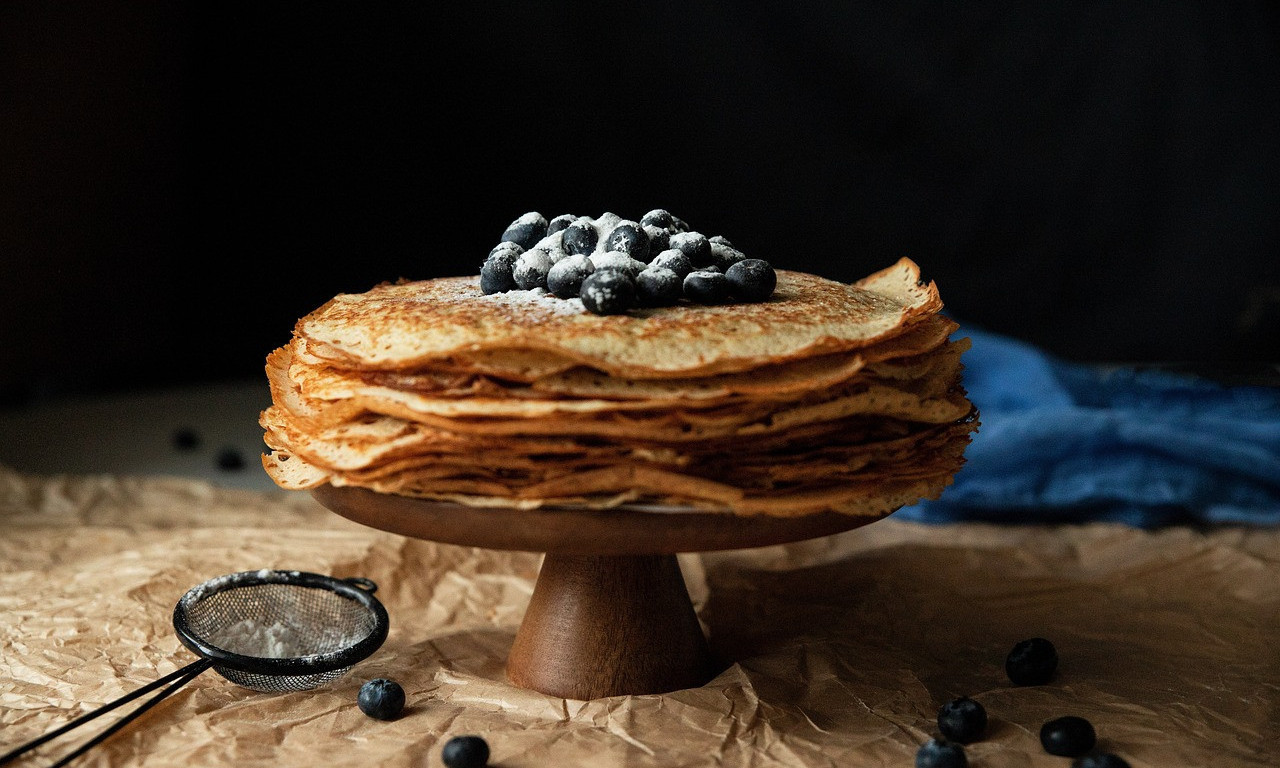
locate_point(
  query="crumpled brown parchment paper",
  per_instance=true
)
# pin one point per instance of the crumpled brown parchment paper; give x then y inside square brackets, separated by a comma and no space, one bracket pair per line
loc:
[844,647]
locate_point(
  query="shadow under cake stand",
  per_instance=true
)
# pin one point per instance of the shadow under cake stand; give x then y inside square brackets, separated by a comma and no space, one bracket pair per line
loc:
[610,614]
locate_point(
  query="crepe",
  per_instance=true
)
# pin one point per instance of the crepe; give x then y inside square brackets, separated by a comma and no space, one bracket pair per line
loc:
[406,324]
[827,397]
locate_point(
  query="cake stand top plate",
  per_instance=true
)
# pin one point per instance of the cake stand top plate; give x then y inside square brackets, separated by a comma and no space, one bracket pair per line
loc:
[622,530]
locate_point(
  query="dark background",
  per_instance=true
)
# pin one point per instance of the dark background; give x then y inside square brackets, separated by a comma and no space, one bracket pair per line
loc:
[179,182]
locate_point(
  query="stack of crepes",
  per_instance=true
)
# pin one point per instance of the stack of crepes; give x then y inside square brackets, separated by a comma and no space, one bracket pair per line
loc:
[829,397]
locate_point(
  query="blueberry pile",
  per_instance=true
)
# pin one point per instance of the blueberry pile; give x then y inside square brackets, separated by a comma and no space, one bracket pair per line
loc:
[614,264]
[963,720]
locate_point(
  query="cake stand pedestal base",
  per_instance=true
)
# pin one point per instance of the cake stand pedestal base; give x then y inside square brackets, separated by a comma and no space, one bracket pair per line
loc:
[610,614]
[609,625]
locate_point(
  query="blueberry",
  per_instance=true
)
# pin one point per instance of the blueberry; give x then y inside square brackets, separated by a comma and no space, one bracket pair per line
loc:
[553,246]
[465,752]
[381,698]
[606,221]
[230,459]
[695,245]
[560,222]
[680,225]
[549,241]
[530,270]
[506,246]
[1101,760]
[579,237]
[941,754]
[658,287]
[526,230]
[186,439]
[706,287]
[617,260]
[724,256]
[674,260]
[721,239]
[506,250]
[608,292]
[496,272]
[962,720]
[659,218]
[630,238]
[1031,662]
[1068,736]
[566,276]
[751,280]
[659,239]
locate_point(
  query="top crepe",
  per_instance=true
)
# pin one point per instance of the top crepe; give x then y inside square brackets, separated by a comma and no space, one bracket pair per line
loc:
[409,324]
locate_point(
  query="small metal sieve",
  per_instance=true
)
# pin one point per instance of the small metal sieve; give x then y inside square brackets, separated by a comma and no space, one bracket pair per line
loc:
[266,630]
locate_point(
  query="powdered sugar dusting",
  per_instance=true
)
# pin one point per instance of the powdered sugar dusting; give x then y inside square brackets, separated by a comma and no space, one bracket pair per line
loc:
[538,298]
[530,219]
[279,639]
[264,640]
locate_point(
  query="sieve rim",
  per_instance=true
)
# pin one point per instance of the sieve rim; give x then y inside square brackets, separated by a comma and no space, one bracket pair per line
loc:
[357,589]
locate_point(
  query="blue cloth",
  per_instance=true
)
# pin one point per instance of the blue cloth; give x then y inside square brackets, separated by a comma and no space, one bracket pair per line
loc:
[1065,442]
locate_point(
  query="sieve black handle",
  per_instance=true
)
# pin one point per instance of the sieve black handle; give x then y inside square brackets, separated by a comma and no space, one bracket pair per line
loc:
[175,680]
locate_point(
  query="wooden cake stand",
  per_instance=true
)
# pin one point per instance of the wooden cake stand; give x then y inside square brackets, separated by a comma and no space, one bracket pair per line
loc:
[610,614]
